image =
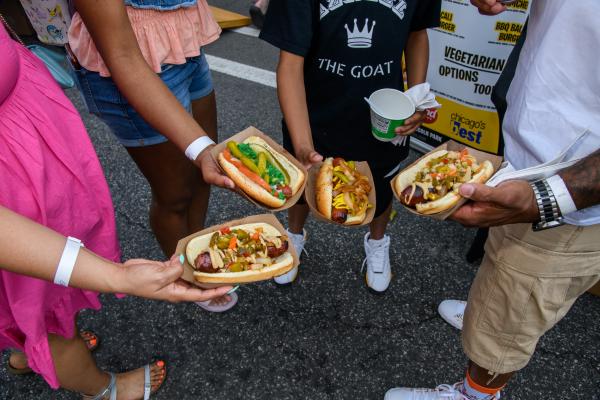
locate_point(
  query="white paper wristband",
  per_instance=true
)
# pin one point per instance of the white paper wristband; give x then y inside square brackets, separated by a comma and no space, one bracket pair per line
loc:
[67,261]
[197,146]
[562,195]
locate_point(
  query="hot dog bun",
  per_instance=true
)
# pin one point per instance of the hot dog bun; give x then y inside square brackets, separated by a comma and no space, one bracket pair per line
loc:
[200,244]
[253,189]
[324,194]
[324,188]
[407,177]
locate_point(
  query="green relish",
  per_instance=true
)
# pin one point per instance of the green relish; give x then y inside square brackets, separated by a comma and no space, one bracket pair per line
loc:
[276,177]
[247,151]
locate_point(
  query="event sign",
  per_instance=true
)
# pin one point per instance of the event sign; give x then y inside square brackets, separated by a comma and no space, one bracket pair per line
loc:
[467,54]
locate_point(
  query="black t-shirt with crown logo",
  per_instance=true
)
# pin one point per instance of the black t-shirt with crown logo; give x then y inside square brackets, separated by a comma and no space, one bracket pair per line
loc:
[351,49]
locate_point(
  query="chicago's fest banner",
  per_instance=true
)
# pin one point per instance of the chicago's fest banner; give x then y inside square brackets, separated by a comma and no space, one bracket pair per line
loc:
[467,54]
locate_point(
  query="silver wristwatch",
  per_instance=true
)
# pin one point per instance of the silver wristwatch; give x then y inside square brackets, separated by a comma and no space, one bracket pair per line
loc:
[550,216]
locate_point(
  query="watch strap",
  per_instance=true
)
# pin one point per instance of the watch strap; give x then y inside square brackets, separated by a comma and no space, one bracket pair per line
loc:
[550,215]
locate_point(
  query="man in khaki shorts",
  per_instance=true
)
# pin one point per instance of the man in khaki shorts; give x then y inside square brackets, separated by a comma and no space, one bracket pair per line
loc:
[543,250]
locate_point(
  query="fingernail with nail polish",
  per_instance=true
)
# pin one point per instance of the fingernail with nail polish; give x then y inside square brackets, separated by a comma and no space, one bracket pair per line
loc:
[181,259]
[234,289]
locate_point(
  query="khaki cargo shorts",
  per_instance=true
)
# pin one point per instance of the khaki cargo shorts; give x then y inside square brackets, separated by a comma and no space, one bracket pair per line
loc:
[526,283]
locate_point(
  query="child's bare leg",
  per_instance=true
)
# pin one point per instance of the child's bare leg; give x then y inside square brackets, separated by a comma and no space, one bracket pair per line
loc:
[379,224]
[204,111]
[297,215]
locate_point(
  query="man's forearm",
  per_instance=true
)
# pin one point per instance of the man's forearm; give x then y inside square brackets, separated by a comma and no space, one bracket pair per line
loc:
[583,181]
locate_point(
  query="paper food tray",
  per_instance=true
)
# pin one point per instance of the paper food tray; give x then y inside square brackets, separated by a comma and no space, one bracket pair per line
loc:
[450,146]
[310,194]
[188,270]
[252,131]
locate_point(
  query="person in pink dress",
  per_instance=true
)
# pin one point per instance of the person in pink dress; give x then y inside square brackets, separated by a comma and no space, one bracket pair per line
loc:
[50,174]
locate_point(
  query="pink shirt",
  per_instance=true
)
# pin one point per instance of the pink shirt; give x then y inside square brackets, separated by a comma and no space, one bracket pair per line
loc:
[165,37]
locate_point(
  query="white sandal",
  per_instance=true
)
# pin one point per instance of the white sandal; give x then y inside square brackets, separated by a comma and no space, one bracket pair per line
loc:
[111,389]
[221,307]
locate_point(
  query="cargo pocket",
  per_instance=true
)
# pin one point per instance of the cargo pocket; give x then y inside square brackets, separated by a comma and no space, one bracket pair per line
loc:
[526,291]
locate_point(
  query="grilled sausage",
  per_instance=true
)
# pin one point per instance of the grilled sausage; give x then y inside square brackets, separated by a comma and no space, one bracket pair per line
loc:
[416,198]
[339,215]
[204,264]
[275,252]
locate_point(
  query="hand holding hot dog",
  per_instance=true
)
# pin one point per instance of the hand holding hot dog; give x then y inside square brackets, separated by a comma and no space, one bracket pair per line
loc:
[161,281]
[509,203]
[211,172]
[309,157]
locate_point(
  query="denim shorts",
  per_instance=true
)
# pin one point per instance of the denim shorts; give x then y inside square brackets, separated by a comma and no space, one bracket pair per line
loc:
[188,82]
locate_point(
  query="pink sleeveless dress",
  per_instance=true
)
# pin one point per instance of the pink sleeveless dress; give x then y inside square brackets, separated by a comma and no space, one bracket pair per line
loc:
[49,172]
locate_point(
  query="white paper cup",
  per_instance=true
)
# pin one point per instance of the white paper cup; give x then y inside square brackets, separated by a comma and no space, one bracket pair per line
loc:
[389,109]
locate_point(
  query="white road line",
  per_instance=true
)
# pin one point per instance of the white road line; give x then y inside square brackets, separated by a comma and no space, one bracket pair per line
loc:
[247,30]
[243,71]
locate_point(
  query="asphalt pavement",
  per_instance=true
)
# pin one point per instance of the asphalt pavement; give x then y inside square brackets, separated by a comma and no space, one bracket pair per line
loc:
[325,336]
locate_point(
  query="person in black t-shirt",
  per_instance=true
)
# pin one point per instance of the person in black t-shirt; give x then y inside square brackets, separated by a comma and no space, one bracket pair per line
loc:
[334,53]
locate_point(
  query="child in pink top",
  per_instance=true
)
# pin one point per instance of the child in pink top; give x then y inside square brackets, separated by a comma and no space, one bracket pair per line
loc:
[120,52]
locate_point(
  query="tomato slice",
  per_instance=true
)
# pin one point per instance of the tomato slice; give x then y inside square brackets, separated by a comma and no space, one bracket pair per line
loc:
[286,190]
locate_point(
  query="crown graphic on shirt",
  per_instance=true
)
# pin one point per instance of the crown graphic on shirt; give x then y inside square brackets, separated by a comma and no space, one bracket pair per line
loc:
[360,39]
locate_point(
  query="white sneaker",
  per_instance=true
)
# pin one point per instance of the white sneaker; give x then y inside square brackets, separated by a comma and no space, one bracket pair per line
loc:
[453,312]
[442,392]
[379,271]
[298,241]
